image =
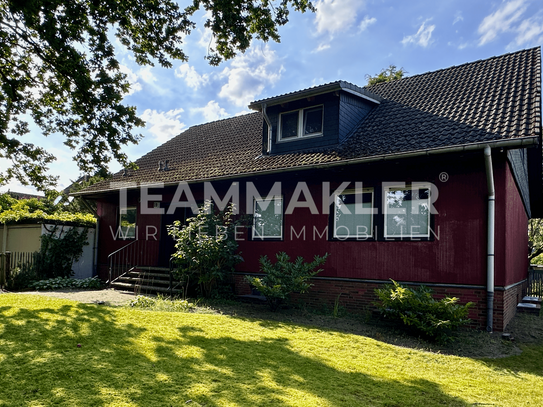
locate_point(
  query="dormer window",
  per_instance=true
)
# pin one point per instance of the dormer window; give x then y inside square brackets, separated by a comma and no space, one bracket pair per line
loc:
[301,123]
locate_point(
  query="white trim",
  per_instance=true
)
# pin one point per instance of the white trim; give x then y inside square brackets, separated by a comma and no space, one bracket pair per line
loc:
[300,130]
[124,212]
[257,236]
[351,192]
[399,187]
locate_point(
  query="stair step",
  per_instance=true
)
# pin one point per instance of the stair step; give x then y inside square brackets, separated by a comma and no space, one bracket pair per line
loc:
[145,281]
[531,300]
[165,270]
[139,274]
[529,308]
[146,288]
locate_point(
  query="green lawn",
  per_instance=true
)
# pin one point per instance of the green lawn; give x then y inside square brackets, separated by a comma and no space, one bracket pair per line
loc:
[130,357]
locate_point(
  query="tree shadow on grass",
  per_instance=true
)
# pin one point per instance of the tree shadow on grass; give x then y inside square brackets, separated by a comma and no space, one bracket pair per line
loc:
[124,359]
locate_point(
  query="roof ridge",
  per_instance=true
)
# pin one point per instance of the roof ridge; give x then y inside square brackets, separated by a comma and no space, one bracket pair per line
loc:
[453,67]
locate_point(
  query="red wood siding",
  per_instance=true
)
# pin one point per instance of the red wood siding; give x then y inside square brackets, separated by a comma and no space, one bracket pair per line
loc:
[516,233]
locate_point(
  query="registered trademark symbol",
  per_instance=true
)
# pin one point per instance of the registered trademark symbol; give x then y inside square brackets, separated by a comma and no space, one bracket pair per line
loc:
[443,177]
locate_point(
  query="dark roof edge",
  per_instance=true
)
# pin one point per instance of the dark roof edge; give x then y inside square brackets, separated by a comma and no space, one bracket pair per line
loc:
[511,143]
[317,90]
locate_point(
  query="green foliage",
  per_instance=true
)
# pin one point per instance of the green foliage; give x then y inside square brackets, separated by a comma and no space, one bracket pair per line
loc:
[386,75]
[535,241]
[285,277]
[416,308]
[160,303]
[21,277]
[59,252]
[205,248]
[60,283]
[44,211]
[60,68]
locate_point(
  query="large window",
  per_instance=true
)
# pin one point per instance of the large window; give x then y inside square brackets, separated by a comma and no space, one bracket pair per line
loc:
[353,218]
[300,123]
[407,212]
[127,222]
[268,218]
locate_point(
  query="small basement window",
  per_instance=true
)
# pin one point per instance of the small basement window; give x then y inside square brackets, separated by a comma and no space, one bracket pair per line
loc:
[301,123]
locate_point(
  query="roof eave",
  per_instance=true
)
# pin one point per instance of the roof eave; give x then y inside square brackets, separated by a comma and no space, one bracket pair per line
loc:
[520,142]
[319,90]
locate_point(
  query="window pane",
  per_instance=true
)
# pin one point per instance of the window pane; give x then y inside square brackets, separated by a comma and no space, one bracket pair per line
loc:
[289,125]
[351,221]
[268,222]
[128,223]
[407,213]
[313,121]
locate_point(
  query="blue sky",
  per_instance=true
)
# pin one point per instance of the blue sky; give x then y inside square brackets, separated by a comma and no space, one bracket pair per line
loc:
[343,40]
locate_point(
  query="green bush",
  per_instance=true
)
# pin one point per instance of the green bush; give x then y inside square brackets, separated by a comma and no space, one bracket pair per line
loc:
[285,277]
[416,308]
[21,278]
[206,251]
[60,283]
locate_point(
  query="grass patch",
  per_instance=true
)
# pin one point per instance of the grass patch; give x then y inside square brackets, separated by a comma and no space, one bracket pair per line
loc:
[132,357]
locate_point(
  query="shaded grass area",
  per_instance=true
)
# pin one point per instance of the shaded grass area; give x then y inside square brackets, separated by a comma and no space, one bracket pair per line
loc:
[130,357]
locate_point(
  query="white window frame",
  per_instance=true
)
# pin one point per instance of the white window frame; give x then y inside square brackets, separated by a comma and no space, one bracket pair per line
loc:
[258,236]
[418,186]
[351,192]
[300,131]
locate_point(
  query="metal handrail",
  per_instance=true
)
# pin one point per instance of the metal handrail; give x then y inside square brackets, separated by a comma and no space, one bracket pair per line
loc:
[111,257]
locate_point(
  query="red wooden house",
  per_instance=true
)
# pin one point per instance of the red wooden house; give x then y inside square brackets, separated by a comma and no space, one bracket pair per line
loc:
[430,180]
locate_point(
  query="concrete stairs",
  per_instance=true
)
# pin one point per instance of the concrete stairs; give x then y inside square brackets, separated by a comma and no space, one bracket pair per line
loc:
[147,280]
[530,305]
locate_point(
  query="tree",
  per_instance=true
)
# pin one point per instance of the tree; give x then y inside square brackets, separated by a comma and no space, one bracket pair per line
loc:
[386,75]
[59,69]
[535,238]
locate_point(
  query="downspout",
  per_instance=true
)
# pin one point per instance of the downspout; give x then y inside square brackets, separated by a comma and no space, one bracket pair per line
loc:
[268,123]
[490,239]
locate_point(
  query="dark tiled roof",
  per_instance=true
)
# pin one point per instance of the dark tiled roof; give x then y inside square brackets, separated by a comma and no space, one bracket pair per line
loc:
[491,100]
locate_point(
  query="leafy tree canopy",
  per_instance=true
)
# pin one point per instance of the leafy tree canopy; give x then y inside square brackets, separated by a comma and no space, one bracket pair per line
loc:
[59,68]
[535,240]
[386,75]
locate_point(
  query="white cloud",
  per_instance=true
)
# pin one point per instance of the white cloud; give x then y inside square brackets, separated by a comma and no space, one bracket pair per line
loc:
[458,17]
[163,125]
[336,15]
[132,78]
[365,23]
[423,37]
[211,112]
[320,48]
[192,78]
[530,31]
[501,20]
[249,74]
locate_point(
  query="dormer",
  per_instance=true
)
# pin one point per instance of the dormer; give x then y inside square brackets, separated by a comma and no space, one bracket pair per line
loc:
[322,116]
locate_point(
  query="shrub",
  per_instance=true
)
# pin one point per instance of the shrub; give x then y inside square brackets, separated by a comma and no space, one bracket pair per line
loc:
[21,277]
[416,308]
[205,248]
[60,283]
[285,277]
